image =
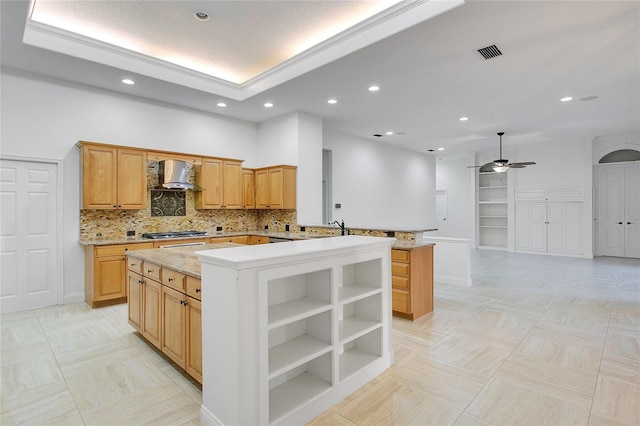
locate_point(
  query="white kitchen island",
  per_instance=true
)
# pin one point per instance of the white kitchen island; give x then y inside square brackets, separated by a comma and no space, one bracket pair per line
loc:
[291,329]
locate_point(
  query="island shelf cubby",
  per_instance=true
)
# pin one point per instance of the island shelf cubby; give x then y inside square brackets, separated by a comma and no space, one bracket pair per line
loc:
[304,331]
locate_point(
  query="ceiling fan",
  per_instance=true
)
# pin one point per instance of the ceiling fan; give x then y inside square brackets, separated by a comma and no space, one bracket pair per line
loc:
[502,165]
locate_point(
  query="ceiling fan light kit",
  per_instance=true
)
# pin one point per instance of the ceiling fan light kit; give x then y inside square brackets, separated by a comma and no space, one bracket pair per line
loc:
[501,165]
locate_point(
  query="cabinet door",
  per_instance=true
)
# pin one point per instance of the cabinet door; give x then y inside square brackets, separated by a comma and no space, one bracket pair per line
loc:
[276,182]
[401,301]
[134,300]
[99,177]
[262,189]
[194,339]
[174,325]
[132,179]
[564,227]
[110,276]
[232,185]
[248,196]
[210,179]
[531,227]
[152,313]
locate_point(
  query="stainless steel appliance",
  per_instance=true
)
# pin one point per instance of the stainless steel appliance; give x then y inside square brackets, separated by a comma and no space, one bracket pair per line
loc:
[178,234]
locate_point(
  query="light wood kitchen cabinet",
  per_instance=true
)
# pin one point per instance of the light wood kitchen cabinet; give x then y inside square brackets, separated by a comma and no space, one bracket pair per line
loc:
[112,177]
[221,183]
[106,273]
[164,306]
[248,189]
[152,312]
[275,187]
[257,239]
[135,299]
[174,326]
[238,239]
[412,282]
[193,360]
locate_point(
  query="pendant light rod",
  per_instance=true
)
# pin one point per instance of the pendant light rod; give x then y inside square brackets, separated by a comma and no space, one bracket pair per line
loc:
[500,134]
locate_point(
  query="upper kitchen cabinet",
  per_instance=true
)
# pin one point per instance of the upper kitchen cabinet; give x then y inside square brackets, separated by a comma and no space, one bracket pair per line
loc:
[113,177]
[221,182]
[248,189]
[276,187]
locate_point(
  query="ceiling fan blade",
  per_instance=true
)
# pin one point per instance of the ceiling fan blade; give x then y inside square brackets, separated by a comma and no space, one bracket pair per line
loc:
[523,163]
[516,166]
[473,167]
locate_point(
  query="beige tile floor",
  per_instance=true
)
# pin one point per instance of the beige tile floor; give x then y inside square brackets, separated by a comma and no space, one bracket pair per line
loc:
[536,340]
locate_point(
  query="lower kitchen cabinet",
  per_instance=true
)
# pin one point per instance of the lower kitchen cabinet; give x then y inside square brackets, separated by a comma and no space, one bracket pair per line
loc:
[164,307]
[193,360]
[106,273]
[412,282]
[174,327]
[152,312]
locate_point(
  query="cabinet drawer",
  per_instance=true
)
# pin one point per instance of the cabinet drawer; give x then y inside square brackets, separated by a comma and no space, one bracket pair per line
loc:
[134,265]
[400,269]
[173,279]
[119,249]
[401,301]
[400,282]
[151,270]
[242,239]
[400,255]
[194,288]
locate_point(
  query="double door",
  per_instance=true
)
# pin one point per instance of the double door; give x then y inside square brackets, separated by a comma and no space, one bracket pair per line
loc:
[549,227]
[618,211]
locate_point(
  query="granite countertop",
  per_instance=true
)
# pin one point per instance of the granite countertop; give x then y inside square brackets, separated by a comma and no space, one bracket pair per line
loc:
[181,259]
[399,244]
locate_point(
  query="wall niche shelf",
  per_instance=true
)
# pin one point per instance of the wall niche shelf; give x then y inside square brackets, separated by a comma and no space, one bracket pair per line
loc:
[492,220]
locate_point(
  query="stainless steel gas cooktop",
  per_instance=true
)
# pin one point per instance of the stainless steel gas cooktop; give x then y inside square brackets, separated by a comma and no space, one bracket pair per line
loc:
[178,234]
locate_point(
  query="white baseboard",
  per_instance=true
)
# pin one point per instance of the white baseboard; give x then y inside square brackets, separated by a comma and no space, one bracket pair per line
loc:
[443,279]
[207,418]
[73,298]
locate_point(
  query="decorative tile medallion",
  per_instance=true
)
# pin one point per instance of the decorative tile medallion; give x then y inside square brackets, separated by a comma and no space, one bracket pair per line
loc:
[168,203]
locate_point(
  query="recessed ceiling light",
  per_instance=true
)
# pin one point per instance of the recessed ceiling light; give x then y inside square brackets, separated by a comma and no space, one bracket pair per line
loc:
[566,99]
[440,149]
[463,118]
[128,81]
[221,104]
[201,16]
[374,88]
[332,101]
[389,133]
[268,105]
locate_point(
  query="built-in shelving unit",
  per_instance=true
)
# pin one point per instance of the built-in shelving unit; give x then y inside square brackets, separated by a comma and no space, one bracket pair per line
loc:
[492,210]
[308,334]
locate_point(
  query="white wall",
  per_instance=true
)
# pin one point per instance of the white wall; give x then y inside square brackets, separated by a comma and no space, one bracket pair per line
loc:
[44,118]
[309,184]
[454,177]
[380,186]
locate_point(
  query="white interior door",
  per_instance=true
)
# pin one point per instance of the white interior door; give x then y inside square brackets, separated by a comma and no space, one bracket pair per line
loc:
[28,235]
[531,226]
[632,210]
[611,195]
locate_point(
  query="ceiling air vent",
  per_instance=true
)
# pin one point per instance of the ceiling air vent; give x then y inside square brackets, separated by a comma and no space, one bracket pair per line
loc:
[490,52]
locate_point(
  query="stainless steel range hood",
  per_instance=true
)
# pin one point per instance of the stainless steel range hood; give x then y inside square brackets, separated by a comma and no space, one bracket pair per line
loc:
[173,175]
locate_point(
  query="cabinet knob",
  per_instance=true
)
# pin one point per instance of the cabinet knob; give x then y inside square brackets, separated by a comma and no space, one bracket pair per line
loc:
[197,290]
[619,223]
[170,279]
[629,223]
[149,271]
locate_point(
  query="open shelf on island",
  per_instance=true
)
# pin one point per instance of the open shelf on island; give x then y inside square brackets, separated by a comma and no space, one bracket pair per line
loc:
[296,343]
[359,353]
[287,312]
[359,280]
[360,317]
[295,393]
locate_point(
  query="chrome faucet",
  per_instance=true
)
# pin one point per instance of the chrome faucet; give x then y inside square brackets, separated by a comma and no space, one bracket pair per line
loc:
[340,224]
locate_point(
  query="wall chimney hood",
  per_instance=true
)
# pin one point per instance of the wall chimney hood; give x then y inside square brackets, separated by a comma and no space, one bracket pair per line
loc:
[173,175]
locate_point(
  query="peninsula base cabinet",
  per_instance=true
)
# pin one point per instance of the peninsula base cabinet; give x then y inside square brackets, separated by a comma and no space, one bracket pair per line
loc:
[164,307]
[300,331]
[412,282]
